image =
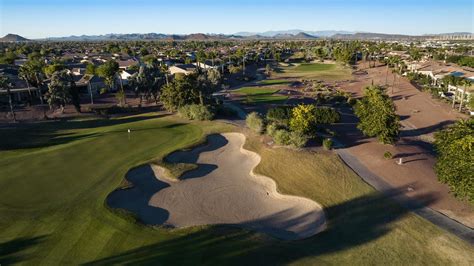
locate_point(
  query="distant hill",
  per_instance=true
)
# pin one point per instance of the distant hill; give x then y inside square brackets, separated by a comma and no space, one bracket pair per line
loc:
[279,35]
[372,36]
[303,35]
[13,38]
[323,33]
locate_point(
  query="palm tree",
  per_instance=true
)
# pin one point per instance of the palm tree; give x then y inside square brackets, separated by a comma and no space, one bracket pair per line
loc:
[454,82]
[6,85]
[464,83]
[25,74]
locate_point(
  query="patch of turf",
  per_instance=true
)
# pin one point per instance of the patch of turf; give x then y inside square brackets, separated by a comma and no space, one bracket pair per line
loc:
[176,170]
[273,82]
[314,67]
[250,91]
[329,72]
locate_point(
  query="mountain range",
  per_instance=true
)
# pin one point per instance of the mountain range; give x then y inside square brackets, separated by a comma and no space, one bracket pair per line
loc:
[278,35]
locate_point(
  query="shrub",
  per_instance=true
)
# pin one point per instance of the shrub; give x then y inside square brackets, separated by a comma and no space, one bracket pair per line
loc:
[298,139]
[326,115]
[327,144]
[279,115]
[196,112]
[255,122]
[388,155]
[282,137]
[271,129]
[303,119]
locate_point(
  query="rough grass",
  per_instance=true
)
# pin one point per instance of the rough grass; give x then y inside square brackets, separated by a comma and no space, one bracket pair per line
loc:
[319,71]
[56,176]
[176,170]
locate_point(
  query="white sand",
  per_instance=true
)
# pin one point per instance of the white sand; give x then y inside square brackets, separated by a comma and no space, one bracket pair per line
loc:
[223,190]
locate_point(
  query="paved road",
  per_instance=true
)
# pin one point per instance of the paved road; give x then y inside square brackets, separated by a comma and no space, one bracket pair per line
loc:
[464,232]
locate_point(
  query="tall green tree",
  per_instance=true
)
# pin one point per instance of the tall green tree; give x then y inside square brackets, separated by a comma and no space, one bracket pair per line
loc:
[377,117]
[62,90]
[109,71]
[32,73]
[180,92]
[455,163]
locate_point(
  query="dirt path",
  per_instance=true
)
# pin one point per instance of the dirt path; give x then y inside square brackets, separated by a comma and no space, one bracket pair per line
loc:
[222,190]
[420,116]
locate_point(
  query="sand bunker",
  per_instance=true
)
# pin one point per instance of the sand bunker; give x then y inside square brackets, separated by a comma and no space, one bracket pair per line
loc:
[222,190]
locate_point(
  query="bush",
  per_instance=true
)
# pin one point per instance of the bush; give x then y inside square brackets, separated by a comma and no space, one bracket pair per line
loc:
[326,115]
[196,112]
[298,139]
[282,137]
[279,115]
[327,144]
[388,155]
[255,122]
[303,119]
[271,129]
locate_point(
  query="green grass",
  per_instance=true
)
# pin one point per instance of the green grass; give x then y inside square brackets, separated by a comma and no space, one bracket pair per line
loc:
[252,91]
[274,82]
[55,177]
[176,170]
[319,71]
[261,95]
[314,67]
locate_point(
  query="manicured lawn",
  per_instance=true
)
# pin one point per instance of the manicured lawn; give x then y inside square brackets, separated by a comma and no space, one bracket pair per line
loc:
[274,82]
[320,71]
[55,177]
[251,91]
[314,67]
[256,95]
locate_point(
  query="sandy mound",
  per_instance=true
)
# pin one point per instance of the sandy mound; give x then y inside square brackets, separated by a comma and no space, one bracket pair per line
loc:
[222,190]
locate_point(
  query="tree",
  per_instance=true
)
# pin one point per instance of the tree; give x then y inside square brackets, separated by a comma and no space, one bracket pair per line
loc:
[455,163]
[180,92]
[147,82]
[62,90]
[465,83]
[49,70]
[377,116]
[90,69]
[303,118]
[109,71]
[6,85]
[25,75]
[32,73]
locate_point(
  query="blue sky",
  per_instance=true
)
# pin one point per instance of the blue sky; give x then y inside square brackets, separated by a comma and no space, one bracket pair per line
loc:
[47,18]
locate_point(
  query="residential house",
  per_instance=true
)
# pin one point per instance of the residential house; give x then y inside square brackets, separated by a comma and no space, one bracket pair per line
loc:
[183,69]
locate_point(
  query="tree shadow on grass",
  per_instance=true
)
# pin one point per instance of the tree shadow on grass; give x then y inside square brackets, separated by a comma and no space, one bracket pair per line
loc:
[351,223]
[13,251]
[45,134]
